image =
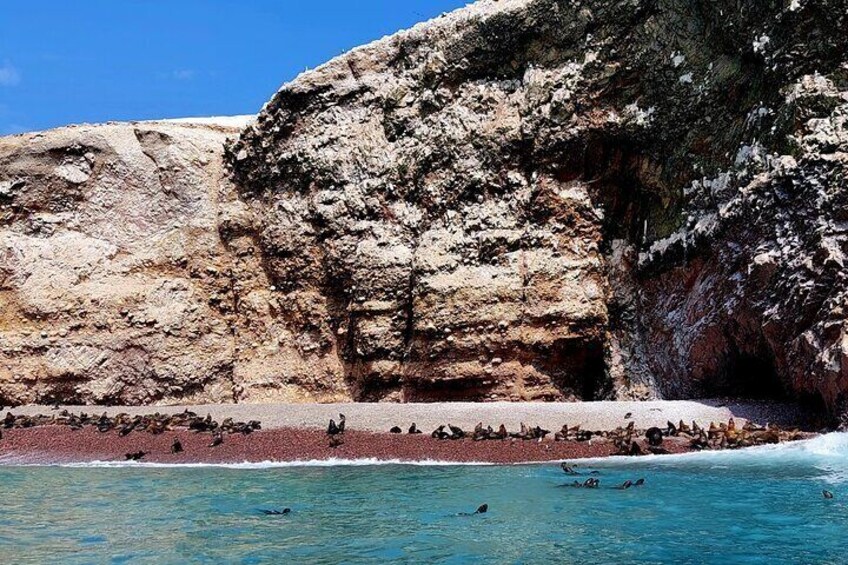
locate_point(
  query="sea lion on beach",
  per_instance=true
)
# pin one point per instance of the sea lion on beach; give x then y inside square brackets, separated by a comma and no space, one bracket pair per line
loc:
[136,455]
[413,429]
[654,436]
[439,433]
[456,432]
[628,415]
[827,494]
[332,428]
[217,439]
[176,446]
[342,421]
[336,441]
[277,512]
[670,429]
[395,430]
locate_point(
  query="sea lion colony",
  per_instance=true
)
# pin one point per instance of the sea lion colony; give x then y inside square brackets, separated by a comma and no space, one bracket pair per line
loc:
[124,424]
[625,438]
[628,440]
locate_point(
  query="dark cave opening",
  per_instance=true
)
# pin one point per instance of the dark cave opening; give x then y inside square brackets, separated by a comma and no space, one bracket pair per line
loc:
[577,367]
[747,375]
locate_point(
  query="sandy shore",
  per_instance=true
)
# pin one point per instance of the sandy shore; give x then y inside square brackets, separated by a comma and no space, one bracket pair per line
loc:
[550,415]
[53,444]
[295,432]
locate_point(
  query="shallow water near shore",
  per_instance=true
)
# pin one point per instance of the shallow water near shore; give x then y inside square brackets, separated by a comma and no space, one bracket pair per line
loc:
[754,506]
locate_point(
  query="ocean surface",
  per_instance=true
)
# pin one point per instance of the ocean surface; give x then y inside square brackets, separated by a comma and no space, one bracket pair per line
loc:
[763,505]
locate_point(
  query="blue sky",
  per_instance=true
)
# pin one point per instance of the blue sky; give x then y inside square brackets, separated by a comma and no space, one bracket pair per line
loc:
[65,62]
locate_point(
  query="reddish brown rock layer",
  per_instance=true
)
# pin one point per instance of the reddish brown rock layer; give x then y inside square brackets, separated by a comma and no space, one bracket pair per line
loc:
[63,445]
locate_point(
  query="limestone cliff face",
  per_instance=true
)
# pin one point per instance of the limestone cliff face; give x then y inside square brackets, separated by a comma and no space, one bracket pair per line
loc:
[524,199]
[115,284]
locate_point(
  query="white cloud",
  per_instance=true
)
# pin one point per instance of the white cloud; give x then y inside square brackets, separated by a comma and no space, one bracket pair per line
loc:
[183,74]
[9,75]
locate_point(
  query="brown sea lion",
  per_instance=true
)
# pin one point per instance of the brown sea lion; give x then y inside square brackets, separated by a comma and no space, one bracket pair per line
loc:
[176,446]
[654,436]
[395,430]
[413,429]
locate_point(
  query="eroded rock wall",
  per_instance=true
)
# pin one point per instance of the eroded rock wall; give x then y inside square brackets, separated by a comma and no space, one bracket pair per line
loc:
[115,284]
[523,200]
[494,204]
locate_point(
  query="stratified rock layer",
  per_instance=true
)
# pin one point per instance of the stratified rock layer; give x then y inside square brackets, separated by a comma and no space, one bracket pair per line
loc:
[549,199]
[524,199]
[115,284]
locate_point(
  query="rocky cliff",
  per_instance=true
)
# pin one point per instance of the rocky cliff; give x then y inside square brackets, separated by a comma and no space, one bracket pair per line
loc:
[524,199]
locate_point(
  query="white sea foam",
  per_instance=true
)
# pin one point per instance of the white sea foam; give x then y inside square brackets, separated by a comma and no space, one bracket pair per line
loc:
[333,462]
[827,448]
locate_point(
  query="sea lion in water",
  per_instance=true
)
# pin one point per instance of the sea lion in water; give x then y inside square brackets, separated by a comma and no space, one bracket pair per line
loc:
[176,447]
[827,494]
[567,469]
[654,436]
[482,509]
[276,512]
[639,482]
[626,485]
[395,430]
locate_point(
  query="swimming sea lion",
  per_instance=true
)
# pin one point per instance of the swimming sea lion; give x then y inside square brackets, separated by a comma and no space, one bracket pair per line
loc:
[482,509]
[626,485]
[827,494]
[176,447]
[639,483]
[276,512]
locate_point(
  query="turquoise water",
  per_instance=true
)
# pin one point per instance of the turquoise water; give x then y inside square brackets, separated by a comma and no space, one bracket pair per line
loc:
[758,506]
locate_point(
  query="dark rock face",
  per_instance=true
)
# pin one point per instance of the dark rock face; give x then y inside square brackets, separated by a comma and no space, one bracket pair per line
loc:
[527,199]
[627,198]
